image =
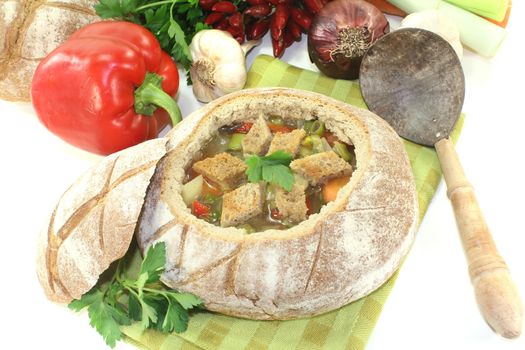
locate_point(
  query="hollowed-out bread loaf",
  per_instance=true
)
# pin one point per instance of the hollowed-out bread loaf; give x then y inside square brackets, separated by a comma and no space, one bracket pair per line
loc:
[347,250]
[31,29]
[352,246]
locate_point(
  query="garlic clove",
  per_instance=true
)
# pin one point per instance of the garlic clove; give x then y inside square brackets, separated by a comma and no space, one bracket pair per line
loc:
[230,76]
[219,64]
[436,22]
[201,89]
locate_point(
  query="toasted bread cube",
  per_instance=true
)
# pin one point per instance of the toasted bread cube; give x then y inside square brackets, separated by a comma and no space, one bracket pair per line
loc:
[289,141]
[242,204]
[321,167]
[223,169]
[292,205]
[258,139]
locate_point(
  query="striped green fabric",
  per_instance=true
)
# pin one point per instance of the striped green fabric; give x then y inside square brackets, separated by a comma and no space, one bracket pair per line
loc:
[346,328]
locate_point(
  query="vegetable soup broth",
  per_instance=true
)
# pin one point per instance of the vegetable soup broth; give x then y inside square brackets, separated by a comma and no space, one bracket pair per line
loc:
[269,218]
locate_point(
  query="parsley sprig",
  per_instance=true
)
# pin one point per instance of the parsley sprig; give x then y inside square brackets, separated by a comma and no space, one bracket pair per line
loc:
[127,298]
[273,168]
[173,22]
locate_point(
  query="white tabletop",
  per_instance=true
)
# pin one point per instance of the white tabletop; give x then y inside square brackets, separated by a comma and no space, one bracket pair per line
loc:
[432,305]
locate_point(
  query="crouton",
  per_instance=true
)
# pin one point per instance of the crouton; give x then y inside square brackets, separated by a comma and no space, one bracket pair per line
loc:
[258,138]
[321,167]
[242,204]
[292,205]
[223,169]
[289,142]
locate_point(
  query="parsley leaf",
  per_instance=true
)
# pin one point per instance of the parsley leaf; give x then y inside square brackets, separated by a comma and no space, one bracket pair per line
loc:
[104,319]
[187,300]
[115,8]
[273,168]
[173,22]
[176,32]
[142,298]
[149,313]
[87,299]
[179,318]
[176,318]
[153,264]
[278,174]
[134,308]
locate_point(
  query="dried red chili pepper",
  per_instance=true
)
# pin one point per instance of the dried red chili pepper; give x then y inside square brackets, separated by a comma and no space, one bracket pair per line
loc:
[281,2]
[240,38]
[213,18]
[300,17]
[257,2]
[288,38]
[275,31]
[258,11]
[235,20]
[224,6]
[314,5]
[258,29]
[235,31]
[281,15]
[222,25]
[295,30]
[207,4]
[278,47]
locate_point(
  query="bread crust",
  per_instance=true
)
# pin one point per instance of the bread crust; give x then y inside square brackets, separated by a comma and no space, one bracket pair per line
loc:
[94,221]
[29,31]
[339,255]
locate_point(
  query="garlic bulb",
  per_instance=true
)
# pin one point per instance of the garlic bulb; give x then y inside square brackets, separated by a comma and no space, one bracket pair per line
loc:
[219,65]
[436,22]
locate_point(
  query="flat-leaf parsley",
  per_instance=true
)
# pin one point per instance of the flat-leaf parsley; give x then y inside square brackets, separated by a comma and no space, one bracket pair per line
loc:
[173,22]
[273,168]
[125,299]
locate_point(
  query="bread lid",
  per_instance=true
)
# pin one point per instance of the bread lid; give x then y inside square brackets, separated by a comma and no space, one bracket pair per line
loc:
[93,223]
[334,257]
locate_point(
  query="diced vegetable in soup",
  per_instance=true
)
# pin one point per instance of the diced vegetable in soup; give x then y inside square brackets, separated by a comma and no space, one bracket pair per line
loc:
[268,173]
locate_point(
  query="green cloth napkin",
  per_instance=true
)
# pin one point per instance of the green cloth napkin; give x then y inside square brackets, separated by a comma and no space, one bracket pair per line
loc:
[346,328]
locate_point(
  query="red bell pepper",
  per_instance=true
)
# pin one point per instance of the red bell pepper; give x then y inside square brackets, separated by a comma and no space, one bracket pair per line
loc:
[244,128]
[275,214]
[200,209]
[101,88]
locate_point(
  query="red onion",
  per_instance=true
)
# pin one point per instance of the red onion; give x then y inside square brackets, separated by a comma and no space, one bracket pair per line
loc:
[341,33]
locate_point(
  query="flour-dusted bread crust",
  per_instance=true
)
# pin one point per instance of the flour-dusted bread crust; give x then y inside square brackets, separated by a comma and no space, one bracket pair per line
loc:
[339,255]
[31,29]
[93,223]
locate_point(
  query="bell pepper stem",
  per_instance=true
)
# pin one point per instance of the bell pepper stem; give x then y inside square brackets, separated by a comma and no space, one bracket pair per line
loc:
[149,96]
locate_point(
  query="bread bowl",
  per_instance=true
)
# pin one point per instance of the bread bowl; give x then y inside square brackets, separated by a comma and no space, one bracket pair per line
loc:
[347,250]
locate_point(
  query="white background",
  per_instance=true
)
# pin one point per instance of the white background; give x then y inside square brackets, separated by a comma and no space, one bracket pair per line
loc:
[432,305]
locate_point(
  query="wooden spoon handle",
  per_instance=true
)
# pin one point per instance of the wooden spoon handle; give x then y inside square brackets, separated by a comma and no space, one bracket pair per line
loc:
[496,293]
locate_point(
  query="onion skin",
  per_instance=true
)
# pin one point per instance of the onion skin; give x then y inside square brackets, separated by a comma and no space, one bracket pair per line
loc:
[326,27]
